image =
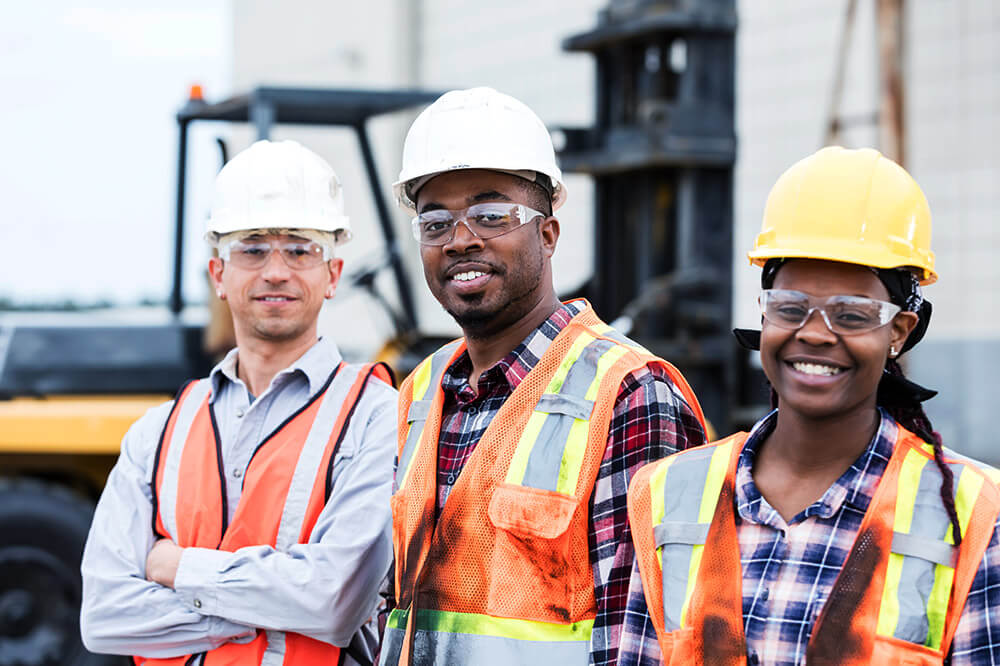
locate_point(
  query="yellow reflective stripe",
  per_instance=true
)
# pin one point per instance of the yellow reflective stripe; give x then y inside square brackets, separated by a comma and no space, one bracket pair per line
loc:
[608,359]
[709,500]
[576,442]
[713,483]
[519,462]
[409,465]
[422,379]
[657,509]
[906,498]
[572,460]
[969,485]
[571,357]
[488,625]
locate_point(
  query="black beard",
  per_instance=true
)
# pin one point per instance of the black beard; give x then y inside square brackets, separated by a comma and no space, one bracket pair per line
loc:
[480,323]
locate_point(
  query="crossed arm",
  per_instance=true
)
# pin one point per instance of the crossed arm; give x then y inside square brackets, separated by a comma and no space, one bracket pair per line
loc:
[156,599]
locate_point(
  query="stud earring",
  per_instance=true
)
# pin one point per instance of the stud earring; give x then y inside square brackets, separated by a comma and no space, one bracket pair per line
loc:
[892,351]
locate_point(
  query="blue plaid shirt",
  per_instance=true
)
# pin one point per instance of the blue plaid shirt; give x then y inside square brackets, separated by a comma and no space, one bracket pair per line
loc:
[790,568]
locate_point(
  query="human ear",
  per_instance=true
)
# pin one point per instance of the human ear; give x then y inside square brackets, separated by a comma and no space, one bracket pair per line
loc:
[336,267]
[215,266]
[548,231]
[902,325]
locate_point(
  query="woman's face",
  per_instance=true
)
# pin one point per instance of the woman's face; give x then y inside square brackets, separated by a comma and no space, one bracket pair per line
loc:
[816,372]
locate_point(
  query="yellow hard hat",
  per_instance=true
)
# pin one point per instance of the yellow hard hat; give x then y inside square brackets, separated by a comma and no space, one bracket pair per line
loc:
[854,206]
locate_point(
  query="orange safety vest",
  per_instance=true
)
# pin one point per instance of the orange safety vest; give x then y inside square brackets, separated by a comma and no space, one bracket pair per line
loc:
[897,599]
[189,496]
[504,576]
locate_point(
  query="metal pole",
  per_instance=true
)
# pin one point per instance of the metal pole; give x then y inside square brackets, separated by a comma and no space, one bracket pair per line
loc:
[892,126]
[176,294]
[402,283]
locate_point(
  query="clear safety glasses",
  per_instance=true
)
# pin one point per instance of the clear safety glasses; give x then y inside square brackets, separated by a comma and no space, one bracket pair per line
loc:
[844,315]
[485,220]
[253,253]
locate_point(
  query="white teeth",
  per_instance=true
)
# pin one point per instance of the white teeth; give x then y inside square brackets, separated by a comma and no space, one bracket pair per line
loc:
[466,276]
[816,369]
[274,298]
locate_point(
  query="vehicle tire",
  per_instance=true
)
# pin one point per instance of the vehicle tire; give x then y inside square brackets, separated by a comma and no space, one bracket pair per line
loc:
[43,528]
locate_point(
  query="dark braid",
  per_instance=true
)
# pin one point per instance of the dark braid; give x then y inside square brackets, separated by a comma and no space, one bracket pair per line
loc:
[915,420]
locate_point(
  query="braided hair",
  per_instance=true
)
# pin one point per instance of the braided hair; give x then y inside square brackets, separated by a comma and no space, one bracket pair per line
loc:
[900,397]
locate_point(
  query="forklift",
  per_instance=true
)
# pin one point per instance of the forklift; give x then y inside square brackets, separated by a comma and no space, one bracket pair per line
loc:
[71,384]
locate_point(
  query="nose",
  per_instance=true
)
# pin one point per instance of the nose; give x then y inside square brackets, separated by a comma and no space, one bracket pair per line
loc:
[275,269]
[815,330]
[463,240]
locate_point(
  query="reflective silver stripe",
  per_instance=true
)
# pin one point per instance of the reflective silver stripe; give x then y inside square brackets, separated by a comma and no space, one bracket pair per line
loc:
[311,457]
[274,653]
[617,335]
[419,410]
[447,649]
[683,487]
[689,533]
[929,525]
[563,408]
[418,417]
[932,550]
[578,408]
[167,494]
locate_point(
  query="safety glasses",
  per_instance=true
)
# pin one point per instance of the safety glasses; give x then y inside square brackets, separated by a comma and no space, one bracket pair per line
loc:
[485,220]
[844,315]
[253,253]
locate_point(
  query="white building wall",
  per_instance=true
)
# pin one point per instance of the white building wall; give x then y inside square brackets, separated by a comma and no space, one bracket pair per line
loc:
[785,67]
[786,58]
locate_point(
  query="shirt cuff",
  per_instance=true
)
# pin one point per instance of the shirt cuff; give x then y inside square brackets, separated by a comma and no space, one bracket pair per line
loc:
[197,578]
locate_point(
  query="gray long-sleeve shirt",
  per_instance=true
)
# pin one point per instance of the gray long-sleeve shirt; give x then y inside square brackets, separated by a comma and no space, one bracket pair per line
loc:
[325,589]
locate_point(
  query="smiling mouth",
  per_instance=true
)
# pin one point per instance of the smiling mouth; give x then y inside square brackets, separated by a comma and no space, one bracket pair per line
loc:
[467,276]
[276,299]
[817,369]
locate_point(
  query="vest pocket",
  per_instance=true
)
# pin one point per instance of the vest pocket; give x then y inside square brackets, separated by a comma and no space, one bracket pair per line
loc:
[890,650]
[677,648]
[532,574]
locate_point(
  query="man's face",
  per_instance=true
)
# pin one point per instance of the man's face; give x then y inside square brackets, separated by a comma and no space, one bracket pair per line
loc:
[274,302]
[485,285]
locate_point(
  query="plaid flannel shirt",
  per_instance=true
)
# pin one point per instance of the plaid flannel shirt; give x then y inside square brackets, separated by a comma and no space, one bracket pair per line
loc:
[650,420]
[790,568]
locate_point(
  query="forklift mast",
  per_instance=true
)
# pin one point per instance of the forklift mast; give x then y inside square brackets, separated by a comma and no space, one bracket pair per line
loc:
[661,155]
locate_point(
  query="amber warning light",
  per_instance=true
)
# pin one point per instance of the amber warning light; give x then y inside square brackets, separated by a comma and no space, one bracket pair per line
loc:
[196,94]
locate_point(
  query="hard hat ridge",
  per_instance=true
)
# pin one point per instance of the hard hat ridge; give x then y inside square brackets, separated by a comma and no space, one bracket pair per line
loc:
[478,128]
[278,185]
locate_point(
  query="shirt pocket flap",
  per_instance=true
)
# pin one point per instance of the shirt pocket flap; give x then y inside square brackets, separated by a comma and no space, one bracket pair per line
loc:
[532,511]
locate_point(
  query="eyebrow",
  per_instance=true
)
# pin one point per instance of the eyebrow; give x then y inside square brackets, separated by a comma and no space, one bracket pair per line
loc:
[488,195]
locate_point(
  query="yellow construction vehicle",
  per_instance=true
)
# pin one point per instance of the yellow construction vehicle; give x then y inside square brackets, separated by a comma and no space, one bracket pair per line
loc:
[71,384]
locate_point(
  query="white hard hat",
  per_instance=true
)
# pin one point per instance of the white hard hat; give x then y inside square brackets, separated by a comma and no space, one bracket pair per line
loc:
[478,128]
[278,185]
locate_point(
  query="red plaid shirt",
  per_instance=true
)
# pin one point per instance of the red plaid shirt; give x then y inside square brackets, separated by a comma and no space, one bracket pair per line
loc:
[650,420]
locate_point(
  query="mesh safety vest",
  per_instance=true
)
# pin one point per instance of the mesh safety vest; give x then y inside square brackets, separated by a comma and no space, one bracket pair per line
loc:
[285,487]
[897,599]
[504,575]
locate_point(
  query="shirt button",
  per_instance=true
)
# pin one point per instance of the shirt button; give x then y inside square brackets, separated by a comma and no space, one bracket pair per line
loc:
[765,594]
[754,659]
[237,472]
[470,409]
[240,412]
[197,603]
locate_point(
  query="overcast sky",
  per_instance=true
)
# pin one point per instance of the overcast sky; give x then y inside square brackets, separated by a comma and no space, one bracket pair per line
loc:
[89,142]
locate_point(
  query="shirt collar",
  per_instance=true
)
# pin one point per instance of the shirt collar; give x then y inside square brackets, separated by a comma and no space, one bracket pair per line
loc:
[315,365]
[856,485]
[516,365]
